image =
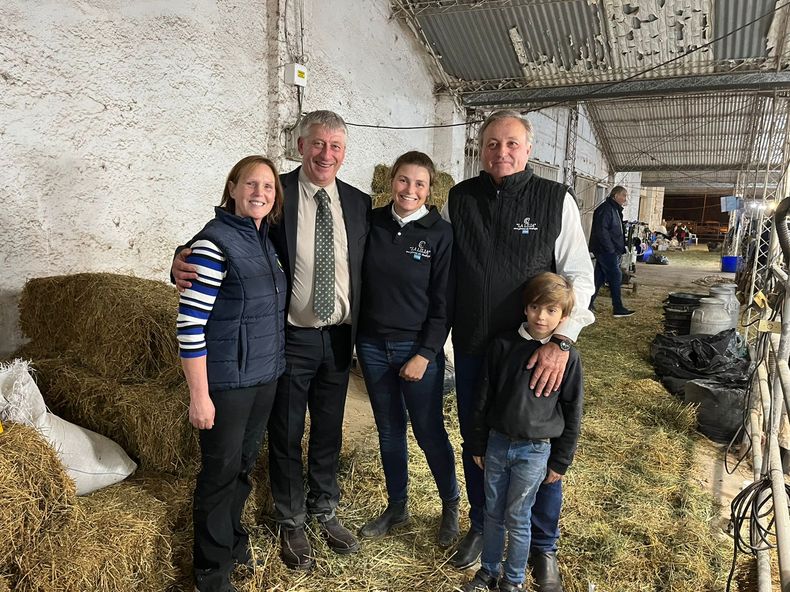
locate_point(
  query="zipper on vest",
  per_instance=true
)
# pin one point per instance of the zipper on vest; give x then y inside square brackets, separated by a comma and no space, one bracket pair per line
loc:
[262,239]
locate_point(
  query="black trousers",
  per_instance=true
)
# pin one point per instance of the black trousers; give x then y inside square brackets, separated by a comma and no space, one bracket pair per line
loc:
[228,453]
[317,362]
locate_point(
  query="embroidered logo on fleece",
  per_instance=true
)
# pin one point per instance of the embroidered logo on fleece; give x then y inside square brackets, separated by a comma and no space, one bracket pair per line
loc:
[421,251]
[526,226]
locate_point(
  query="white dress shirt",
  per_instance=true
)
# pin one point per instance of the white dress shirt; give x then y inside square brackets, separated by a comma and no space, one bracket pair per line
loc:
[300,311]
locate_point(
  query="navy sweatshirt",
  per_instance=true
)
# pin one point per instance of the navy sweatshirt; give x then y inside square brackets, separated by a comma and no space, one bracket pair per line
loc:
[407,281]
[506,403]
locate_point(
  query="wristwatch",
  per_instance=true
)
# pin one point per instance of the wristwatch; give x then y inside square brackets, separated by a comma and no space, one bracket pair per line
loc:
[565,344]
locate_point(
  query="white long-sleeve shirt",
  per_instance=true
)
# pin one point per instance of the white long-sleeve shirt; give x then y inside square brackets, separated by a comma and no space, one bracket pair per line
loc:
[573,261]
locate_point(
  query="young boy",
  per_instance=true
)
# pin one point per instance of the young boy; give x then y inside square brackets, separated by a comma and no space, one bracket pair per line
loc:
[520,439]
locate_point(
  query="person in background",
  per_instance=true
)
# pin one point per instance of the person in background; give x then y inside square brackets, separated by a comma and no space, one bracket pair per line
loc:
[683,234]
[230,331]
[508,226]
[607,243]
[404,321]
[321,240]
[520,439]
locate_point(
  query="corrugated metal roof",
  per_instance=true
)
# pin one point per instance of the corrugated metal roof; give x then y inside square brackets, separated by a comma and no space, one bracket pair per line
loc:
[751,42]
[697,182]
[498,45]
[582,41]
[690,132]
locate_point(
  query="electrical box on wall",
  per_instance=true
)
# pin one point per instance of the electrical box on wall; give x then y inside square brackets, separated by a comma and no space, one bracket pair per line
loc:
[295,74]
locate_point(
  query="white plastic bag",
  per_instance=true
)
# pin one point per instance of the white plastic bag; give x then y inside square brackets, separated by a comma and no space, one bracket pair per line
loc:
[92,460]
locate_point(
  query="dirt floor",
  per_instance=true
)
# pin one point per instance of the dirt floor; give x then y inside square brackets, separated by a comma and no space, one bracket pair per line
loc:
[684,269]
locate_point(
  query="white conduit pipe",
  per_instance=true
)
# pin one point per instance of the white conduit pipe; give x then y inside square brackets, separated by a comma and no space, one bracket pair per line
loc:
[781,511]
[759,398]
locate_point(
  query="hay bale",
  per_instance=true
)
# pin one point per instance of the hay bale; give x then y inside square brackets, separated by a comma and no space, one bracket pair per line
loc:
[381,179]
[119,326]
[120,542]
[441,188]
[150,421]
[37,495]
[380,199]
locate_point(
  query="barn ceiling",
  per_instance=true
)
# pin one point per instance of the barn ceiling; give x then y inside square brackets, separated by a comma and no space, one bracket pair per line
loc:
[669,85]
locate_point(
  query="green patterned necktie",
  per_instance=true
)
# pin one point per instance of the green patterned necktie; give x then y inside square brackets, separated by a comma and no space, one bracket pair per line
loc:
[324,278]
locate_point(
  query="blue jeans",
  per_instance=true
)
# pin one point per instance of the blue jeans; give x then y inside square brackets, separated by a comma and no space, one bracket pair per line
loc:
[514,471]
[395,402]
[607,269]
[548,503]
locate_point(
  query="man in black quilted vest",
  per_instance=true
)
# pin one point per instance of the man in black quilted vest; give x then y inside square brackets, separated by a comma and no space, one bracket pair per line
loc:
[509,225]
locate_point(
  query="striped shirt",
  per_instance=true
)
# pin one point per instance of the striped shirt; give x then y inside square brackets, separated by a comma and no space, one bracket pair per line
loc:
[196,303]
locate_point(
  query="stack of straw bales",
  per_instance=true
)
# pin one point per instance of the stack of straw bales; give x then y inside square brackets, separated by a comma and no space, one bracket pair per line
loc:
[119,327]
[105,357]
[52,540]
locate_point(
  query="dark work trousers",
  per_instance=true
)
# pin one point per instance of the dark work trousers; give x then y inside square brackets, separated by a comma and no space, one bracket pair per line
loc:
[317,362]
[228,452]
[607,270]
[548,501]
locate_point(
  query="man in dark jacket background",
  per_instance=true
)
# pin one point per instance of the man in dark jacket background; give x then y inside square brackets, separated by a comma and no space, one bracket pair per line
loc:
[607,243]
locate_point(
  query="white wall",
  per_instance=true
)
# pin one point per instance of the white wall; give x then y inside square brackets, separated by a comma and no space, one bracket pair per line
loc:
[633,183]
[551,130]
[370,69]
[121,120]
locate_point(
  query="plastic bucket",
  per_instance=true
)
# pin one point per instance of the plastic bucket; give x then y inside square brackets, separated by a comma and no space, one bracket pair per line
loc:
[729,264]
[685,299]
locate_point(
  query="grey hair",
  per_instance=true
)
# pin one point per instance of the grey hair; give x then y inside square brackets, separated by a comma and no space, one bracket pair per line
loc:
[328,119]
[507,114]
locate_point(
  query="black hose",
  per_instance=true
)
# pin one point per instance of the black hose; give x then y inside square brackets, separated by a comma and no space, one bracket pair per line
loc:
[780,223]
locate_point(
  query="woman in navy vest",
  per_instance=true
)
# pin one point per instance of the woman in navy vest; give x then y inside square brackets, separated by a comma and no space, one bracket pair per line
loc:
[231,339]
[404,321]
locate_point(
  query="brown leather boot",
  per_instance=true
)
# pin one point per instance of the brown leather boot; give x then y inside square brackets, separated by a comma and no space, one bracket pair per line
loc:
[295,549]
[338,537]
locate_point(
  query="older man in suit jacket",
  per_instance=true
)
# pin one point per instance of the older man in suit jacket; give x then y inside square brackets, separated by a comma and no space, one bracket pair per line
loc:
[323,308]
[321,241]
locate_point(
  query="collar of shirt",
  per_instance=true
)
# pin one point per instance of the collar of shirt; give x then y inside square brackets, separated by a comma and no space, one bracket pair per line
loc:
[522,330]
[311,188]
[423,211]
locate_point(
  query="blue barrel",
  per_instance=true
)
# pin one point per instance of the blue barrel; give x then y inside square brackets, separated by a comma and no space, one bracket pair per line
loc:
[729,264]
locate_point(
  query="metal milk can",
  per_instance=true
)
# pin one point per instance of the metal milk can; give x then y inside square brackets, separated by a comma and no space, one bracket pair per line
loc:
[710,318]
[726,292]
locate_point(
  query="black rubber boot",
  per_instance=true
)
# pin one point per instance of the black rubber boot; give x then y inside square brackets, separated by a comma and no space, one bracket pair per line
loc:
[448,528]
[468,551]
[545,571]
[395,515]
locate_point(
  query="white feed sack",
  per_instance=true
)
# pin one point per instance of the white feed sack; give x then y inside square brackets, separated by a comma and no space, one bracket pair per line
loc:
[92,460]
